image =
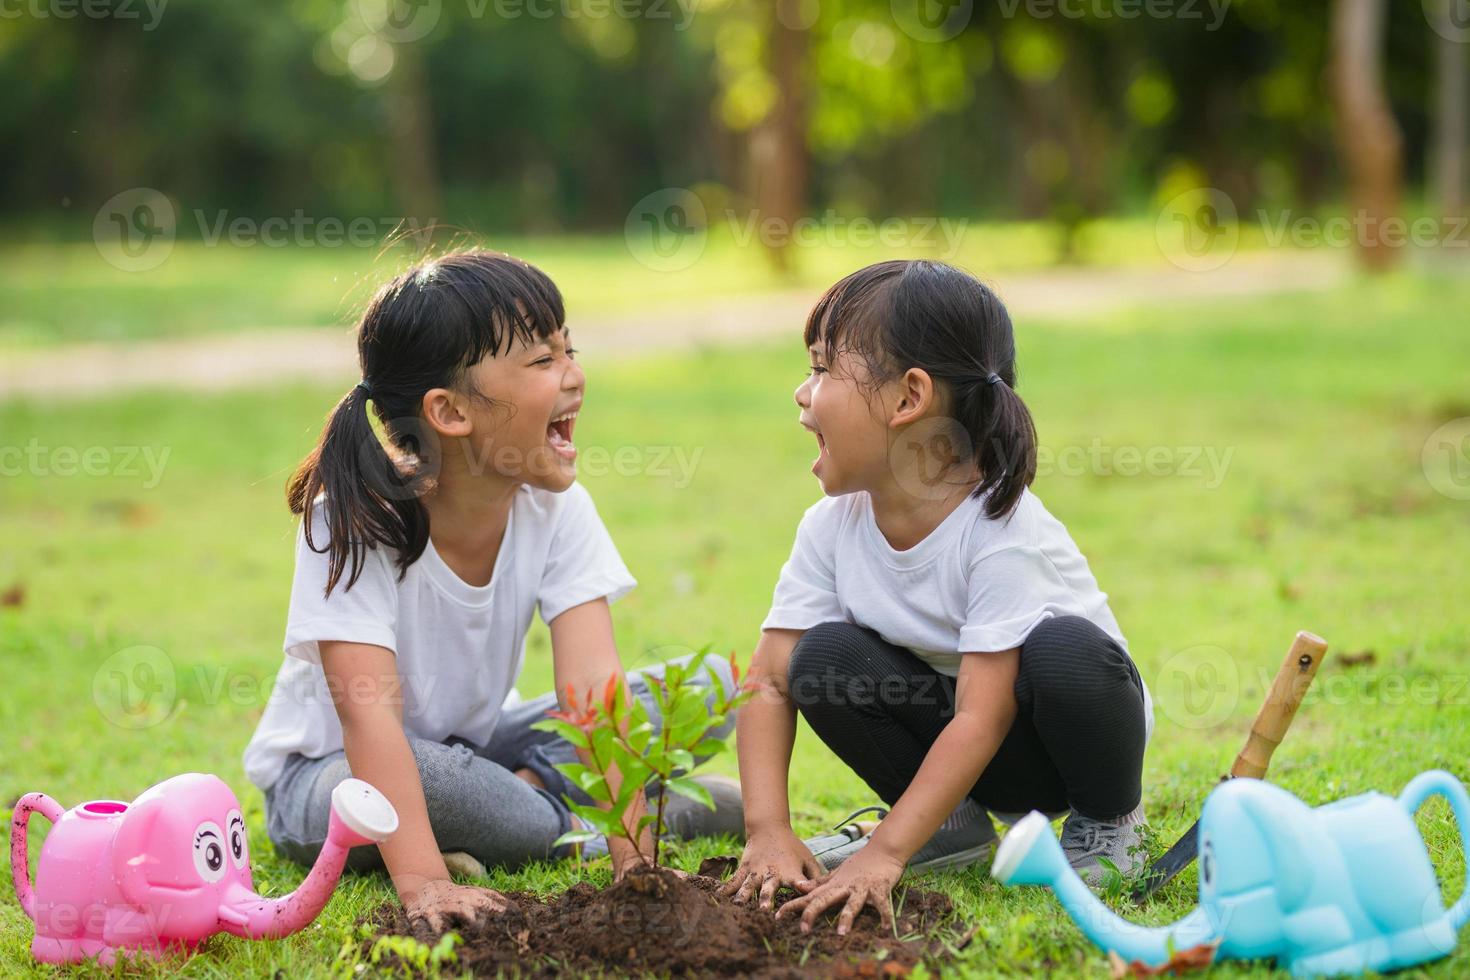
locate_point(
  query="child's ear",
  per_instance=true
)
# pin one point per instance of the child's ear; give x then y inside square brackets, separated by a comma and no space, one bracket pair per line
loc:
[447,412]
[915,398]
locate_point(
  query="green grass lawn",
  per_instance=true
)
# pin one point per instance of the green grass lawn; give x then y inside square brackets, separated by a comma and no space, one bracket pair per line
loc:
[1290,430]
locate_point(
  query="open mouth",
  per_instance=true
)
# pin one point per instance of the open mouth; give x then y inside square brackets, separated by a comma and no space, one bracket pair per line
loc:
[559,435]
[821,444]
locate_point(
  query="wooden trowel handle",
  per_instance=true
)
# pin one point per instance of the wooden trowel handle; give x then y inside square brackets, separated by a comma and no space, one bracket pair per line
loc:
[1287,691]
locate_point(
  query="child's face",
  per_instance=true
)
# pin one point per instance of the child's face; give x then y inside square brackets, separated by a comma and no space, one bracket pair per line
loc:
[526,435]
[852,436]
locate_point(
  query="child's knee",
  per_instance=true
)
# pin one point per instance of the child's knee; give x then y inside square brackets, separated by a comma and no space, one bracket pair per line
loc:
[821,649]
[1062,641]
[1072,657]
[444,771]
[816,673]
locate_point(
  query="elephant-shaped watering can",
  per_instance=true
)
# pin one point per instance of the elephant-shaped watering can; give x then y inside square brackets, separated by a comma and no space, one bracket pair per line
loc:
[171,868]
[1339,889]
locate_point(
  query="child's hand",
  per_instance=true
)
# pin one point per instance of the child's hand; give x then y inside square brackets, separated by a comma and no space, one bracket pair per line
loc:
[443,902]
[866,878]
[770,861]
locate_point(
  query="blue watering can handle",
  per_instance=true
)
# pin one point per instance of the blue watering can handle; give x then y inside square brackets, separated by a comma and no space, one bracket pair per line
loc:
[1438,782]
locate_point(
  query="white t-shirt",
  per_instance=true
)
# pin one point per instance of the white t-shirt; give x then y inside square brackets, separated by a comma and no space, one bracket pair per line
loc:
[974,585]
[459,648]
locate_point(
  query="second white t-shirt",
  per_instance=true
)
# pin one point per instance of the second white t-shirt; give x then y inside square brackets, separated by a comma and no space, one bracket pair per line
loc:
[975,585]
[459,648]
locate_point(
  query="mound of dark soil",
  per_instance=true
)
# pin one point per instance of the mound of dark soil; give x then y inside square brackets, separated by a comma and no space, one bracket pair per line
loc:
[657,923]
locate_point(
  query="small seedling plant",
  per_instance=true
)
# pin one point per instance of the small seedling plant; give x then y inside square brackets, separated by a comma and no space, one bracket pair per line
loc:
[623,746]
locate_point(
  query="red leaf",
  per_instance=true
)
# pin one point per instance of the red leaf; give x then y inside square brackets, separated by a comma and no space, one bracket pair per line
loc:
[13,597]
[734,669]
[609,692]
[571,697]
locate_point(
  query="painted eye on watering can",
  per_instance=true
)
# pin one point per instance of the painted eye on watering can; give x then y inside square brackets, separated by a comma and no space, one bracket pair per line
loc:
[209,851]
[236,824]
[1207,861]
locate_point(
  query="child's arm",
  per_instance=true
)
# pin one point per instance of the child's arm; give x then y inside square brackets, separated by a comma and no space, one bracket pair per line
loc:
[985,708]
[584,656]
[366,690]
[766,730]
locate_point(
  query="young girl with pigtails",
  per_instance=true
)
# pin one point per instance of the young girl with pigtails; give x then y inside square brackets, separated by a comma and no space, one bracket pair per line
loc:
[935,625]
[421,558]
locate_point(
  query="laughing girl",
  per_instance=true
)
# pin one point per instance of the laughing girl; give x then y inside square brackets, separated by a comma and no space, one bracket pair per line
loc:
[935,625]
[419,565]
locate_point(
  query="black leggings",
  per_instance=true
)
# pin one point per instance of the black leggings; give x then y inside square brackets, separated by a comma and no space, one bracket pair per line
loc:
[1077,741]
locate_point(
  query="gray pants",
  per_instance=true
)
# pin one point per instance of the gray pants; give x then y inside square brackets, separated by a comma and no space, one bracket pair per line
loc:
[476,802]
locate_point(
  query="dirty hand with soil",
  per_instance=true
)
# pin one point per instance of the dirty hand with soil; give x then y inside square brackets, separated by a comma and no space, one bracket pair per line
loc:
[442,902]
[867,878]
[771,859]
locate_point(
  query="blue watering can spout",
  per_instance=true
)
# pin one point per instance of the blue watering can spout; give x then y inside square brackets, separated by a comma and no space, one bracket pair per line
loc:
[1030,855]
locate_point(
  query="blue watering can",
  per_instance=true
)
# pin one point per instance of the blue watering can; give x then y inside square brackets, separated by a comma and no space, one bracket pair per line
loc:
[1339,889]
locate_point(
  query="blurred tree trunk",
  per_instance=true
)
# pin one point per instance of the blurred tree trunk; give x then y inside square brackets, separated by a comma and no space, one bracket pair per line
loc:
[1371,144]
[778,148]
[1447,155]
[412,171]
[111,154]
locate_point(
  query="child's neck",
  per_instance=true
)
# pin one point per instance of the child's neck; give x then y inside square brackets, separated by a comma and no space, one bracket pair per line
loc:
[467,521]
[905,519]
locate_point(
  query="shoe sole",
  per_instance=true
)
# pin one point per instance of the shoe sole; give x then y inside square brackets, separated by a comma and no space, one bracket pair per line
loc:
[957,859]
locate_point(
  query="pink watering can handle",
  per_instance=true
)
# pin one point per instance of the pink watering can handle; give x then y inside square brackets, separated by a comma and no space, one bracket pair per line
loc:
[1437,782]
[19,857]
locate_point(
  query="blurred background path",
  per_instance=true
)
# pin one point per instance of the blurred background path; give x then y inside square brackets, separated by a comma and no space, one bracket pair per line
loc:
[270,355]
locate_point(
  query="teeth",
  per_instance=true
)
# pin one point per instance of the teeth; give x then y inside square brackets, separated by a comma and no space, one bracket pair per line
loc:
[564,418]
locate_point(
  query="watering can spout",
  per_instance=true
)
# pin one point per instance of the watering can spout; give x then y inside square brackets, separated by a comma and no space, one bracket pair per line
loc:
[360,815]
[1030,855]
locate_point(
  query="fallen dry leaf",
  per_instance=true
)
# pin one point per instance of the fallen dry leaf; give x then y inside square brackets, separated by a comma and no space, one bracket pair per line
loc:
[1183,961]
[1360,659]
[13,597]
[719,866]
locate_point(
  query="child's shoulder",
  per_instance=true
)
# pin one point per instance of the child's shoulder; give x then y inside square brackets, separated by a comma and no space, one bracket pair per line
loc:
[1021,528]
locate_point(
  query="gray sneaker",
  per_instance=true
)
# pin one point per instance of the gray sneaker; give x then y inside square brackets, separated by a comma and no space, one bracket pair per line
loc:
[946,849]
[1086,842]
[957,848]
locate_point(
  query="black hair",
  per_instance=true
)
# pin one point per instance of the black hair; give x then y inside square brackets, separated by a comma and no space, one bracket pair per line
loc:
[906,314]
[422,330]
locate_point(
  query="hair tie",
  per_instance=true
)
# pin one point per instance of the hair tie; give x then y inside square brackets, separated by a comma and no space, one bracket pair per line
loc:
[992,378]
[367,388]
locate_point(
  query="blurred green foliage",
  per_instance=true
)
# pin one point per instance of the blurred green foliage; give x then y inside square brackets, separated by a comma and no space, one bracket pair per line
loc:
[532,116]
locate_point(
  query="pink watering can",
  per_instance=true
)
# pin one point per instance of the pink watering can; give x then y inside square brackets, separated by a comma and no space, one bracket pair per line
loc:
[164,872]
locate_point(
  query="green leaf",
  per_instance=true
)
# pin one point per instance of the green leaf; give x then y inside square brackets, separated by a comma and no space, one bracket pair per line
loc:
[572,770]
[687,787]
[603,821]
[565,729]
[575,837]
[709,746]
[595,786]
